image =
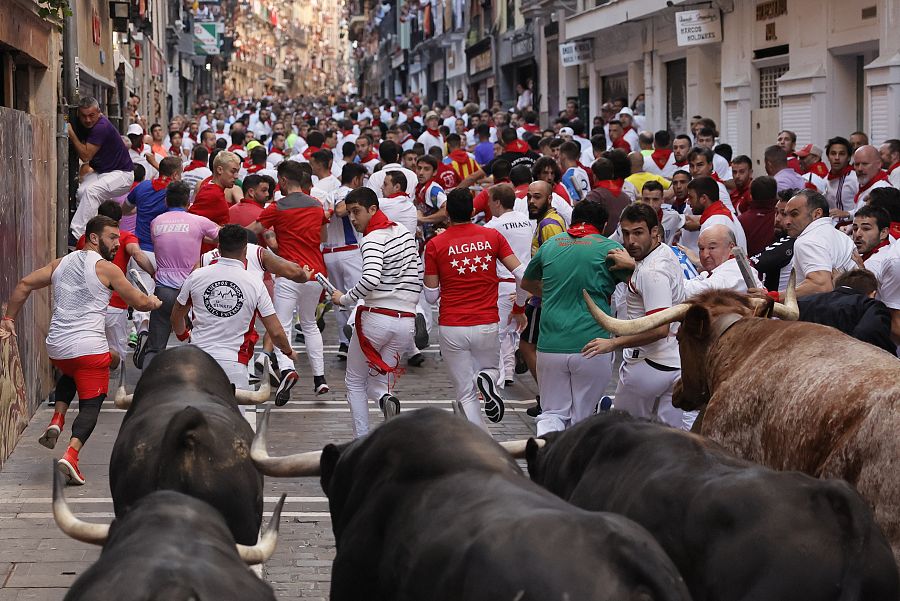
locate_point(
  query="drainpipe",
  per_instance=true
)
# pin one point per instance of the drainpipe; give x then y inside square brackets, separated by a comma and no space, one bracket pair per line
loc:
[65,153]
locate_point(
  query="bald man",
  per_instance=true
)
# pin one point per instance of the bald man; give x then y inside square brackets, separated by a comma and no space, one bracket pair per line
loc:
[720,268]
[634,183]
[867,164]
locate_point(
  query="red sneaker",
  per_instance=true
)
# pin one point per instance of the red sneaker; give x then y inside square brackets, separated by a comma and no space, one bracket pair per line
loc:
[68,465]
[51,434]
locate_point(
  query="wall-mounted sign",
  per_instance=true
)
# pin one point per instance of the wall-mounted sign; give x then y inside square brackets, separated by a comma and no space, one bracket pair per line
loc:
[206,38]
[576,53]
[701,26]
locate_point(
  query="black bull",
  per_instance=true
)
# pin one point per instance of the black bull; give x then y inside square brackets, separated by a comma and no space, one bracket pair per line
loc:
[184,432]
[429,507]
[735,530]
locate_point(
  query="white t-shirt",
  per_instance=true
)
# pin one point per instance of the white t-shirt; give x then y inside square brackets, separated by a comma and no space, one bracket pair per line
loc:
[225,298]
[430,141]
[194,177]
[376,180]
[657,283]
[887,270]
[339,231]
[722,167]
[324,187]
[733,224]
[516,228]
[840,191]
[820,247]
[253,263]
[726,276]
[402,210]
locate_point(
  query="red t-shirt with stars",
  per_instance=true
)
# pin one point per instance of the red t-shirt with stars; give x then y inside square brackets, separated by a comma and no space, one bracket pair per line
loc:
[465,260]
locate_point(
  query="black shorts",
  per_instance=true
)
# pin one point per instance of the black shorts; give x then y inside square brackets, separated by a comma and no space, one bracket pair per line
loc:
[532,324]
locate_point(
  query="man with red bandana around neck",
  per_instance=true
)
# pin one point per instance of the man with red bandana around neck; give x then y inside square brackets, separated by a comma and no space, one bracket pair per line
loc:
[431,137]
[867,165]
[515,151]
[742,170]
[841,182]
[662,160]
[890,160]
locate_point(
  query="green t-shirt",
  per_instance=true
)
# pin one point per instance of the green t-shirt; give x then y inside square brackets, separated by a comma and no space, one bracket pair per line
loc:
[566,265]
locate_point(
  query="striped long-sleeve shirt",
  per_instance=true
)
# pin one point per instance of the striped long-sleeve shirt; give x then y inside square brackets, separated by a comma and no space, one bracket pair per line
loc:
[390,272]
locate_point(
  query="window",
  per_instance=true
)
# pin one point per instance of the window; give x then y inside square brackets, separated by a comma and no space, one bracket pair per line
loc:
[676,96]
[768,85]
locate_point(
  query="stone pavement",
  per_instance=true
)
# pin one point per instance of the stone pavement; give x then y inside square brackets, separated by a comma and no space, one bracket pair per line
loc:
[38,562]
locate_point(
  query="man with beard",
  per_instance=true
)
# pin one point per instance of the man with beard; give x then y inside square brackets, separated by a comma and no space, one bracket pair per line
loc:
[83,282]
[841,185]
[871,226]
[890,160]
[867,164]
[774,263]
[742,169]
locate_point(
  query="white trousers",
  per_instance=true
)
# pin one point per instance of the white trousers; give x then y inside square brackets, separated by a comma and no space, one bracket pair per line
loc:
[93,191]
[344,271]
[290,295]
[468,350]
[237,375]
[116,325]
[509,337]
[141,319]
[390,336]
[571,386]
[644,391]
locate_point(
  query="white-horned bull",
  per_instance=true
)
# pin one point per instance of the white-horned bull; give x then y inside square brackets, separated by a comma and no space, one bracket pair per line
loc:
[789,395]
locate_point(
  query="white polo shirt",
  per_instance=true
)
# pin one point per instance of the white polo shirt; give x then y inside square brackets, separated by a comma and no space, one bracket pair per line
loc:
[225,298]
[516,228]
[726,276]
[820,247]
[657,283]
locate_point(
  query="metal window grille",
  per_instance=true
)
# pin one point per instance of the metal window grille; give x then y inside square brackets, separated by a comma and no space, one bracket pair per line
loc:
[768,86]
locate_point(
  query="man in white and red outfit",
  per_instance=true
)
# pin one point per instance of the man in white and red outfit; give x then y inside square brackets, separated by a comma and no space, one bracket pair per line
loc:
[703,196]
[841,183]
[432,137]
[461,270]
[198,169]
[890,160]
[390,287]
[869,174]
[662,160]
[365,153]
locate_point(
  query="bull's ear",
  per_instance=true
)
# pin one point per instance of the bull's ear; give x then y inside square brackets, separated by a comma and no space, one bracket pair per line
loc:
[696,323]
[330,455]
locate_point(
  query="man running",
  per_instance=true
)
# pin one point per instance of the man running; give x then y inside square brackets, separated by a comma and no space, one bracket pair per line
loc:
[83,282]
[461,270]
[225,298]
[390,287]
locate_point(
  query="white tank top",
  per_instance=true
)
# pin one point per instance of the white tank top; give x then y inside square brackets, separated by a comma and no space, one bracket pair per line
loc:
[78,325]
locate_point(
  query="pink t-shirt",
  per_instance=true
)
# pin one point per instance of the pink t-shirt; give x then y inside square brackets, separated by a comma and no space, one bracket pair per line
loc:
[177,236]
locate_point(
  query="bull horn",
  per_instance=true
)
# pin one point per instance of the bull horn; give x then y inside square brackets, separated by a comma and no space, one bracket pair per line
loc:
[789,310]
[301,464]
[264,549]
[516,448]
[122,400]
[260,395]
[629,327]
[95,534]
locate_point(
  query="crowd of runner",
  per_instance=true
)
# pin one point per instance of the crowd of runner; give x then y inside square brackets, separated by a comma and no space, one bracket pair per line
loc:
[278,209]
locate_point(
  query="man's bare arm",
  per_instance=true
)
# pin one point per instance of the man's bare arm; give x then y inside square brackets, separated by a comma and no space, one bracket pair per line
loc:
[112,276]
[284,268]
[143,261]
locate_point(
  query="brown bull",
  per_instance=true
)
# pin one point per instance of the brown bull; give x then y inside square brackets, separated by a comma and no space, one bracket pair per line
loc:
[790,395]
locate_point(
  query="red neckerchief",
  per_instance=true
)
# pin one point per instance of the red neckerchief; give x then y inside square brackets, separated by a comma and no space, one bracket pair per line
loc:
[681,163]
[892,167]
[420,190]
[580,230]
[819,169]
[613,185]
[160,182]
[895,230]
[881,176]
[174,151]
[369,157]
[716,208]
[234,147]
[276,151]
[139,149]
[434,132]
[396,194]
[347,132]
[661,156]
[195,165]
[622,144]
[519,146]
[255,168]
[659,215]
[530,127]
[221,132]
[459,156]
[842,173]
[716,177]
[405,139]
[310,151]
[192,137]
[376,121]
[379,221]
[625,130]
[883,243]
[740,198]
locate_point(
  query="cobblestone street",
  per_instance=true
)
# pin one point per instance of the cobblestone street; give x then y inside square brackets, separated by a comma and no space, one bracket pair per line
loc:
[39,562]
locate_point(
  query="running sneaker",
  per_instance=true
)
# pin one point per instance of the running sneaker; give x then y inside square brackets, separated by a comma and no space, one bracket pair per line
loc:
[289,378]
[416,360]
[132,339]
[140,347]
[389,405]
[342,352]
[320,386]
[321,310]
[421,335]
[534,410]
[521,366]
[493,402]
[51,434]
[68,465]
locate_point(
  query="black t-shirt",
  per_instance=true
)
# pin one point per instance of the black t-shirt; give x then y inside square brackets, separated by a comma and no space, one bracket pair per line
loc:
[771,261]
[514,159]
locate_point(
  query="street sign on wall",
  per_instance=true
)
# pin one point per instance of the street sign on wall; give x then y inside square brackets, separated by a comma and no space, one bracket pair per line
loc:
[206,38]
[576,53]
[701,26]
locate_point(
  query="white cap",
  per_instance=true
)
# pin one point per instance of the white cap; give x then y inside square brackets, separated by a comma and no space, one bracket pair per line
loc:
[135,130]
[626,111]
[566,131]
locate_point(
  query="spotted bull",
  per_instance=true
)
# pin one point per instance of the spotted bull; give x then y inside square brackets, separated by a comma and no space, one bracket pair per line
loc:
[734,529]
[183,431]
[168,546]
[430,507]
[789,395]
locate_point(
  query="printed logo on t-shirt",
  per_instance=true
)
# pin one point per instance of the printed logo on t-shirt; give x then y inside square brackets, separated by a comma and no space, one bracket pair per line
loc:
[223,298]
[471,263]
